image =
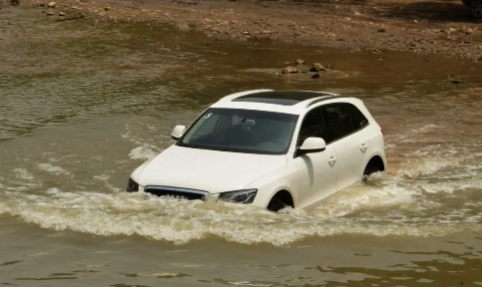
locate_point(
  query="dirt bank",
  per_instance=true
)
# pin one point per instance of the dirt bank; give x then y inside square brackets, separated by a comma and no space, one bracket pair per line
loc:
[429,26]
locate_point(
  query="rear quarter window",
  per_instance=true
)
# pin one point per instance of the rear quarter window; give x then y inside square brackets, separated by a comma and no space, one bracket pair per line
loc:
[359,120]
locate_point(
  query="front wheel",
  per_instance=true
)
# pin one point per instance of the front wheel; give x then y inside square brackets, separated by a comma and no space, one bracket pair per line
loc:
[276,204]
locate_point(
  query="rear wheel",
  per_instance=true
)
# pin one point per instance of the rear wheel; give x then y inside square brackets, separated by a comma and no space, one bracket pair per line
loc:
[476,8]
[370,169]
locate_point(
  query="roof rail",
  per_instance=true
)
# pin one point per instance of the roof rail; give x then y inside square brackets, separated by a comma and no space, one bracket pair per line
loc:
[231,97]
[326,96]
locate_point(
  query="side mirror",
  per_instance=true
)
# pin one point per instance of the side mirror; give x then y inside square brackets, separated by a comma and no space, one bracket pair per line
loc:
[178,131]
[312,144]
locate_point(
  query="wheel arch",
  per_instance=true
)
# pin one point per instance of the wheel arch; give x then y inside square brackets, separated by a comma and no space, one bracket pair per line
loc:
[376,161]
[285,195]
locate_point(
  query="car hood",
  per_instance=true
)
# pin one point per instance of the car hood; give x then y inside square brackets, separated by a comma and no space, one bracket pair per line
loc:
[212,171]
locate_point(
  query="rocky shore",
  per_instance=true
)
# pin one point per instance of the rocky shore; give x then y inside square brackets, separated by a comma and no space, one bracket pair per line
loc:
[395,25]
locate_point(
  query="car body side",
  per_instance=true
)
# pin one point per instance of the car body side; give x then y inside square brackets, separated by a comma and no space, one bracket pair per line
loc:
[288,178]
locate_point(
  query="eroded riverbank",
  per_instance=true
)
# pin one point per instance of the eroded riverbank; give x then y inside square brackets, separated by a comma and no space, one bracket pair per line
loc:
[83,103]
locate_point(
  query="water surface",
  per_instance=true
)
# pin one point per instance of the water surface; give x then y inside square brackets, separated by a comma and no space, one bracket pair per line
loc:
[82,104]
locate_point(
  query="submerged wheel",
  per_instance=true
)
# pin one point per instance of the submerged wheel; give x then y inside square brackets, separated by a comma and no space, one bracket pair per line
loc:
[375,164]
[280,201]
[276,204]
[476,8]
[370,169]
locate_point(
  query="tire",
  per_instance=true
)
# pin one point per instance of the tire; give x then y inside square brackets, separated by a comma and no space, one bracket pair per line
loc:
[276,204]
[370,169]
[476,8]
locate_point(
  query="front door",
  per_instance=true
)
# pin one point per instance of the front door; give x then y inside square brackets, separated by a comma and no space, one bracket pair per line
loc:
[317,171]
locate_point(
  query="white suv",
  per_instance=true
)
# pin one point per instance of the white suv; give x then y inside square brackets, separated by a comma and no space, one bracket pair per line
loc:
[268,148]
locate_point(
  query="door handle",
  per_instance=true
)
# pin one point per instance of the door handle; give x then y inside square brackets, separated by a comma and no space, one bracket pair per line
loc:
[363,147]
[332,160]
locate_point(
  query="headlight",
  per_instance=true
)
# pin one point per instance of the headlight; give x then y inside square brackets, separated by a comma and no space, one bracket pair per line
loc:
[132,185]
[241,196]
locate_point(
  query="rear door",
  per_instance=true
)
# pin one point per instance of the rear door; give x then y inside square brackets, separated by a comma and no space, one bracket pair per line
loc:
[345,135]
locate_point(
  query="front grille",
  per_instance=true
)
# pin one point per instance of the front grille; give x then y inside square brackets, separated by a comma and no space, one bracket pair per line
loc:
[185,193]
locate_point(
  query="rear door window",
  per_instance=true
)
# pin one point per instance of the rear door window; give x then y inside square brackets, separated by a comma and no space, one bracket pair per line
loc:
[342,119]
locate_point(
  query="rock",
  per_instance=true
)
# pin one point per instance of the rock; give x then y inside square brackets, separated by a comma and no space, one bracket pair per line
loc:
[454,79]
[52,4]
[315,76]
[61,13]
[381,30]
[469,31]
[289,70]
[299,62]
[50,12]
[15,2]
[106,8]
[316,67]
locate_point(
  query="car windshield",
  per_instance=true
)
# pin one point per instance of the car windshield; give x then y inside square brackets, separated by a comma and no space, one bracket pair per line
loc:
[239,130]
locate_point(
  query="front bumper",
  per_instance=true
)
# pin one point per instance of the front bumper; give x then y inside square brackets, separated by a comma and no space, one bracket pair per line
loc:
[245,196]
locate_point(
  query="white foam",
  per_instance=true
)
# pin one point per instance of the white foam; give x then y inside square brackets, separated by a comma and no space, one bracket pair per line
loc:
[103,178]
[53,191]
[142,152]
[249,283]
[363,196]
[416,201]
[183,221]
[22,173]
[57,170]
[21,181]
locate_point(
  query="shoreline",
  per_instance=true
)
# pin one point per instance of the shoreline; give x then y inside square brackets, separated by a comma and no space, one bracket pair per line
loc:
[356,25]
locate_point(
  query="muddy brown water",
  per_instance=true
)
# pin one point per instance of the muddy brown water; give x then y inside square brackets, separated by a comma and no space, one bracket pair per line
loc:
[82,104]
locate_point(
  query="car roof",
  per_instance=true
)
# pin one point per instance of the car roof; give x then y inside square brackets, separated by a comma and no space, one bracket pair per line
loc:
[285,101]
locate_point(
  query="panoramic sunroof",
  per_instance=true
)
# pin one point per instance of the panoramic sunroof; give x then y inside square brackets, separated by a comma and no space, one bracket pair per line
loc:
[285,98]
